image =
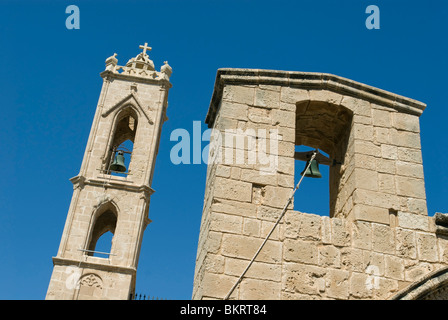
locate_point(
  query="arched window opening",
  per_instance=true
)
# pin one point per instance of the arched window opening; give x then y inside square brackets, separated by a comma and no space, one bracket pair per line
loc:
[103,244]
[120,152]
[324,127]
[102,234]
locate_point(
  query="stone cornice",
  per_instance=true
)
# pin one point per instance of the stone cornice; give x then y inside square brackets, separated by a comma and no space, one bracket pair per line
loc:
[308,81]
[94,265]
[108,74]
[80,181]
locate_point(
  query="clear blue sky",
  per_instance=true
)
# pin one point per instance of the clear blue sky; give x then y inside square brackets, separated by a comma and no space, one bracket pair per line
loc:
[50,85]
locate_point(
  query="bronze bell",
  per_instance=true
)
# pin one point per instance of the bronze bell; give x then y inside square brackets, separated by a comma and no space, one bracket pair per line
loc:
[118,164]
[313,170]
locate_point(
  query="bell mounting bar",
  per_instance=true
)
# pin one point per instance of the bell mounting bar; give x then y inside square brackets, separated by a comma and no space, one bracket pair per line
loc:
[306,155]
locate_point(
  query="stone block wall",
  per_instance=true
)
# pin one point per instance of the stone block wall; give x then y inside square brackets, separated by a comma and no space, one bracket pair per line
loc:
[94,281]
[315,257]
[377,238]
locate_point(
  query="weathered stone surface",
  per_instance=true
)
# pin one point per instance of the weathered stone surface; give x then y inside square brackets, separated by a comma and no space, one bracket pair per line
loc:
[406,122]
[378,238]
[410,187]
[303,279]
[409,154]
[240,94]
[406,243]
[253,289]
[226,223]
[427,247]
[362,235]
[338,284]
[293,95]
[408,169]
[233,190]
[329,256]
[405,139]
[381,118]
[383,239]
[244,247]
[300,251]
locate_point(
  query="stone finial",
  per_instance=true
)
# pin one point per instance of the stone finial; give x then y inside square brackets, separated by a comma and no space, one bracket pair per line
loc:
[166,68]
[111,62]
[139,66]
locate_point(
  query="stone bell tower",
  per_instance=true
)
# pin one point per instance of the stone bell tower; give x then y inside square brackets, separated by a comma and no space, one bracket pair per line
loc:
[111,193]
[377,241]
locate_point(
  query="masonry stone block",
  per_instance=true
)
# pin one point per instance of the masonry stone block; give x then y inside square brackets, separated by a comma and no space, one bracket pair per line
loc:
[406,122]
[358,106]
[329,256]
[410,187]
[353,259]
[409,169]
[389,151]
[240,94]
[340,232]
[427,247]
[217,285]
[226,223]
[362,235]
[233,190]
[303,279]
[358,288]
[367,148]
[277,197]
[409,155]
[232,110]
[381,118]
[251,227]
[252,289]
[381,135]
[293,95]
[406,243]
[338,284]
[244,247]
[383,239]
[363,131]
[300,251]
[366,179]
[405,139]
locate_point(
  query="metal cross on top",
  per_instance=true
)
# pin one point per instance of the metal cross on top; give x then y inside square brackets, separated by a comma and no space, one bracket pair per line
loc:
[145,47]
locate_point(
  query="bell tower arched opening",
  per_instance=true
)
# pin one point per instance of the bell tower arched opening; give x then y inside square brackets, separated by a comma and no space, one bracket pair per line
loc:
[325,127]
[103,228]
[119,155]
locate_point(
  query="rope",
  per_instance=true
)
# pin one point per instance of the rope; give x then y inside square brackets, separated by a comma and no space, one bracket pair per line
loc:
[272,230]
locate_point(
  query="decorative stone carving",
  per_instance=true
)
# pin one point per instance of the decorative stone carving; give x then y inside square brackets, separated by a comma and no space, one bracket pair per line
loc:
[91,287]
[441,220]
[91,280]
